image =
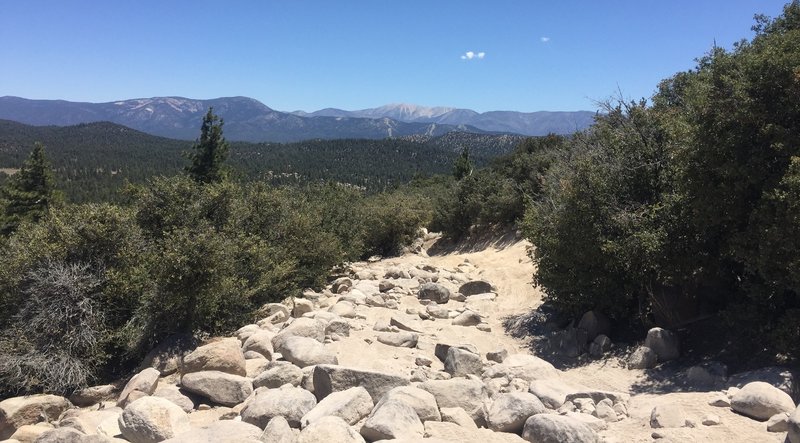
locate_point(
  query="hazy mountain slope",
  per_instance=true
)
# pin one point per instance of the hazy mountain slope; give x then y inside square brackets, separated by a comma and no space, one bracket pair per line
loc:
[246,119]
[531,123]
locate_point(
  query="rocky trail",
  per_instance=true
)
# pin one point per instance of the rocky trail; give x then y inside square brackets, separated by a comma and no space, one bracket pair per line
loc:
[413,349]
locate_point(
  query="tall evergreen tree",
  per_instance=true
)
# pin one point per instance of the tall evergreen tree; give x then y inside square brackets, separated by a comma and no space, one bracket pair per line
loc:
[29,193]
[210,151]
[463,167]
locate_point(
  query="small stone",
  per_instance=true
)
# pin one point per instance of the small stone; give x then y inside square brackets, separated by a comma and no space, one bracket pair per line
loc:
[497,356]
[711,420]
[423,361]
[667,416]
[720,401]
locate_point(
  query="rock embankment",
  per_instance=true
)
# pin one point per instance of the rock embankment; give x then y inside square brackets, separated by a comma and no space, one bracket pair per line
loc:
[397,351]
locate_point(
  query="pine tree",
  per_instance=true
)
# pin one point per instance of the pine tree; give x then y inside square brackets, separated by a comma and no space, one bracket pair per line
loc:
[210,151]
[462,167]
[29,193]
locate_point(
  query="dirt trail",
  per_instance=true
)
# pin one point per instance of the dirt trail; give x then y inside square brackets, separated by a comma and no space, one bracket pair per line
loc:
[508,267]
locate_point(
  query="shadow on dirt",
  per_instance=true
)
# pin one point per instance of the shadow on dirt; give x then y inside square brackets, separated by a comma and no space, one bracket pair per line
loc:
[498,240]
[707,357]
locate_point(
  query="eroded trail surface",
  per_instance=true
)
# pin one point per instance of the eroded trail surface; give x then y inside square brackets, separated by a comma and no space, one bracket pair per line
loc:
[404,349]
[509,268]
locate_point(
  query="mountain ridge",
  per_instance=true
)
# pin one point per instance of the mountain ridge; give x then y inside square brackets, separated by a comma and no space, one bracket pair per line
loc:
[524,123]
[247,119]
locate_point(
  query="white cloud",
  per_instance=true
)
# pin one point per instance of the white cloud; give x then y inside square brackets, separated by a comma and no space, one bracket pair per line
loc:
[471,55]
[544,39]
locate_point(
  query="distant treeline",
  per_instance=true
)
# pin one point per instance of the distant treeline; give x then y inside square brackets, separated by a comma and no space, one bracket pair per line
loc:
[93,161]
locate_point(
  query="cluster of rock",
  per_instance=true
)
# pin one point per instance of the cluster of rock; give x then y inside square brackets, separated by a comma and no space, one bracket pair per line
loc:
[757,400]
[279,380]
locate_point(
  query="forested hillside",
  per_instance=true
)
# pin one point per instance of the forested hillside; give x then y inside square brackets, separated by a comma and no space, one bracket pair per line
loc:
[93,161]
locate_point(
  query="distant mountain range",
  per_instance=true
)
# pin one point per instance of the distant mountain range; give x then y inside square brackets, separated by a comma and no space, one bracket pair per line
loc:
[247,119]
[525,123]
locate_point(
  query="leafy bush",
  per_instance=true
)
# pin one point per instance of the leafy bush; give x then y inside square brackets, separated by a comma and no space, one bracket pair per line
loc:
[496,196]
[392,221]
[669,213]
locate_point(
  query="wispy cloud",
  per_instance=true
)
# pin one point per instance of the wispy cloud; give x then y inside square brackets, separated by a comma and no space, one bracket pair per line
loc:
[544,39]
[471,55]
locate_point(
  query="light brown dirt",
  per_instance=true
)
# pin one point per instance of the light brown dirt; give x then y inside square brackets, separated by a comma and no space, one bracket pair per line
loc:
[510,269]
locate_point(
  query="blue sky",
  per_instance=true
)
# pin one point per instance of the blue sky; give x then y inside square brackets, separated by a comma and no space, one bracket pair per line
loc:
[537,55]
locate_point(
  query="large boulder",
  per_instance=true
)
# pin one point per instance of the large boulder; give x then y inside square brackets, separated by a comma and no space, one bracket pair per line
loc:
[332,378]
[524,366]
[329,430]
[219,387]
[278,431]
[223,355]
[338,326]
[174,394]
[434,292]
[301,327]
[508,412]
[642,358]
[290,403]
[460,362]
[595,323]
[341,284]
[436,310]
[552,393]
[344,309]
[464,393]
[665,344]
[476,287]
[305,351]
[302,306]
[260,342]
[350,405]
[168,355]
[152,419]
[551,428]
[467,318]
[780,377]
[222,431]
[278,374]
[90,421]
[16,412]
[61,435]
[256,365]
[423,402]
[142,384]
[399,339]
[92,395]
[760,400]
[440,350]
[458,416]
[392,419]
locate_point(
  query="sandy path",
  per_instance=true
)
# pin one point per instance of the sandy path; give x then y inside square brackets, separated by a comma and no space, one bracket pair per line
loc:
[510,269]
